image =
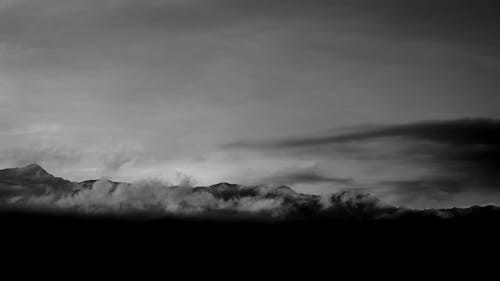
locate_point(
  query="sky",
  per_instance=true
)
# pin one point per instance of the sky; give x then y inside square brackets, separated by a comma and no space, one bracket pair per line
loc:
[396,97]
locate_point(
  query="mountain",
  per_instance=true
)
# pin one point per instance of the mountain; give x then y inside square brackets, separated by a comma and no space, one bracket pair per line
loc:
[31,172]
[219,199]
[31,180]
[222,200]
[227,191]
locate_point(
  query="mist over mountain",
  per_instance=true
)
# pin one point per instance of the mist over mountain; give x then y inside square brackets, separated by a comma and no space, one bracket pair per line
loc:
[41,213]
[245,135]
[31,188]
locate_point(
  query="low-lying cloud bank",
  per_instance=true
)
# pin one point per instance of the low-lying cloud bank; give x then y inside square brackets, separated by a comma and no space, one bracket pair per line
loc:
[155,198]
[31,188]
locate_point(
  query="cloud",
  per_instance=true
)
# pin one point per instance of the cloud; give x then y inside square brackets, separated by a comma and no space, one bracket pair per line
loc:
[152,197]
[222,201]
[308,175]
[459,155]
[42,153]
[185,180]
[97,160]
[453,132]
[476,21]
[5,4]
[116,157]
[35,129]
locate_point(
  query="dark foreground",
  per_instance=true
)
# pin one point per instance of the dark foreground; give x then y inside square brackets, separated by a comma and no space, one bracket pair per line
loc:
[350,229]
[68,247]
[232,244]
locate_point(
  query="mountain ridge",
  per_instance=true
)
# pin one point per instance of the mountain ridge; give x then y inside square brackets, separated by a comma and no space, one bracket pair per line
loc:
[32,171]
[219,200]
[31,180]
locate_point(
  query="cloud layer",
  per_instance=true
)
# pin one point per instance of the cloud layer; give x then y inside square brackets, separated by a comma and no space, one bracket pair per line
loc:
[221,201]
[459,156]
[33,189]
[131,89]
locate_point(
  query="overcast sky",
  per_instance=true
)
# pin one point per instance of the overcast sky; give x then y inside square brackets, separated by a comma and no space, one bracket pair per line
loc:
[174,88]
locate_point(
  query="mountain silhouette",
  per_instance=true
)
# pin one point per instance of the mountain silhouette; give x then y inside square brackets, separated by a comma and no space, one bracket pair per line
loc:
[218,200]
[30,172]
[31,180]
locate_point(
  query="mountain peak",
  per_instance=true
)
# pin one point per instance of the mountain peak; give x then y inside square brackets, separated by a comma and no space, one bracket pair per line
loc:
[33,166]
[30,172]
[224,184]
[34,169]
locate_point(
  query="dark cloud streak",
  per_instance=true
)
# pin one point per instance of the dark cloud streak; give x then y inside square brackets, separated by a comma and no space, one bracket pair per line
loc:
[454,132]
[463,155]
[197,71]
[308,175]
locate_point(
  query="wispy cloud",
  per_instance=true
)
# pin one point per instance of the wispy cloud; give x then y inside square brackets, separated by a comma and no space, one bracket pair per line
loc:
[452,132]
[301,175]
[116,157]
[41,153]
[34,129]
[457,156]
[95,161]
[222,201]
